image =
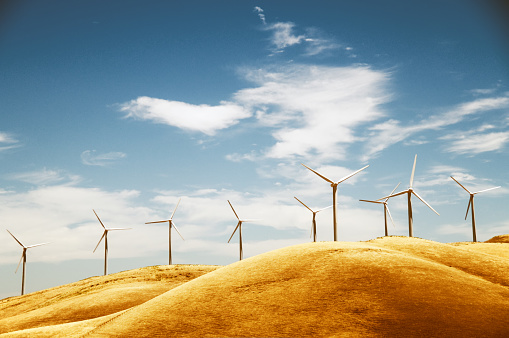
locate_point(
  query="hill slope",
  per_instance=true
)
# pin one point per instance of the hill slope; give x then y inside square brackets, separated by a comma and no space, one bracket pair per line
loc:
[94,297]
[391,286]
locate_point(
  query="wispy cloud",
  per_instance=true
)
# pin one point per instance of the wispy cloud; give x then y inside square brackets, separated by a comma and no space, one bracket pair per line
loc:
[284,36]
[90,157]
[314,110]
[7,141]
[392,131]
[259,10]
[465,143]
[46,177]
[202,118]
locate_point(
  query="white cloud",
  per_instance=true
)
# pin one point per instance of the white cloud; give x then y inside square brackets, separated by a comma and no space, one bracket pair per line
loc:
[203,118]
[259,10]
[392,131]
[90,157]
[315,109]
[478,143]
[46,177]
[7,141]
[282,35]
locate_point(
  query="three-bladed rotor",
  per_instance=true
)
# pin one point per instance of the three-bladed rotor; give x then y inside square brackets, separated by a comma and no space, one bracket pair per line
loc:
[239,227]
[313,222]
[409,193]
[334,186]
[386,209]
[470,205]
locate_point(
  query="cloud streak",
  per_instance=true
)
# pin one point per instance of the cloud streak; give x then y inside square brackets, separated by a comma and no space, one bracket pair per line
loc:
[90,157]
[392,131]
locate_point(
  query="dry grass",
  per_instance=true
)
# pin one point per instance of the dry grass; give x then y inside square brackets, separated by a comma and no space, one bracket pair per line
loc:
[94,297]
[388,287]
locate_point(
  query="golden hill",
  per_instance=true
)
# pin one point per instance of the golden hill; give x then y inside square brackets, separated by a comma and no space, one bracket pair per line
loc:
[93,297]
[388,287]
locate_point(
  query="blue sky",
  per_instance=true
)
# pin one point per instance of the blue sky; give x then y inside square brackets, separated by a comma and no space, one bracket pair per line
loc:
[124,107]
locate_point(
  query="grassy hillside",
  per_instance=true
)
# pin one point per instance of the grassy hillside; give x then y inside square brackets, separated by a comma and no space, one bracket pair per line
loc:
[94,297]
[391,286]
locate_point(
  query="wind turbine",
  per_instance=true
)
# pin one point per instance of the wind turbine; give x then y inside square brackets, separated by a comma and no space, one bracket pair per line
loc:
[409,192]
[386,209]
[105,236]
[171,224]
[313,227]
[334,186]
[239,226]
[24,259]
[471,203]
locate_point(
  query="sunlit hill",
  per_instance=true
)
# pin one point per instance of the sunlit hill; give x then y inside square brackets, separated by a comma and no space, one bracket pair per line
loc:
[387,287]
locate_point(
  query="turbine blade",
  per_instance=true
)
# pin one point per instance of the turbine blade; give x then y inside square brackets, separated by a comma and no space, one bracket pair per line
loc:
[372,201]
[303,204]
[311,233]
[173,213]
[413,172]
[104,233]
[250,220]
[33,246]
[487,190]
[15,238]
[461,185]
[392,192]
[158,221]
[233,210]
[468,207]
[423,201]
[394,195]
[354,173]
[238,224]
[316,172]
[118,229]
[330,206]
[389,212]
[22,255]
[98,219]
[178,232]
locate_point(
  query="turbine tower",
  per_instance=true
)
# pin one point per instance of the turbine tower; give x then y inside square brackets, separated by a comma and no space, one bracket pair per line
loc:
[313,225]
[409,193]
[24,259]
[105,236]
[334,186]
[471,203]
[239,226]
[386,209]
[171,224]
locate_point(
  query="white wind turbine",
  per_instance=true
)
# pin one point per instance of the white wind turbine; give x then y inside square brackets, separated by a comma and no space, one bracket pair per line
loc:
[105,236]
[239,226]
[471,203]
[171,224]
[409,193]
[334,186]
[386,209]
[313,226]
[24,259]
